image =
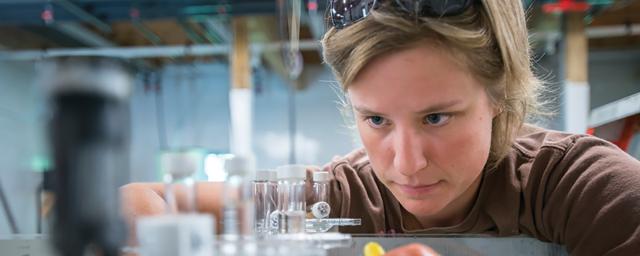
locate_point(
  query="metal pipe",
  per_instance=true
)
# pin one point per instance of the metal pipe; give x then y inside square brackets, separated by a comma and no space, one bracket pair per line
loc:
[190,32]
[216,26]
[148,52]
[146,32]
[613,31]
[84,15]
[83,35]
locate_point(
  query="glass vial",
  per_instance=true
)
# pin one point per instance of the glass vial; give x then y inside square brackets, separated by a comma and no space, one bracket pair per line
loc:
[290,216]
[320,208]
[265,197]
[238,209]
[179,168]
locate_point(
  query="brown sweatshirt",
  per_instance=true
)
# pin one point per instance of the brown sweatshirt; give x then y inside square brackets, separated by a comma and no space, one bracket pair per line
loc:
[575,190]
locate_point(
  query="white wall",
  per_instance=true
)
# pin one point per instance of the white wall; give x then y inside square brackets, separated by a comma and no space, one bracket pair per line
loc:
[196,108]
[20,143]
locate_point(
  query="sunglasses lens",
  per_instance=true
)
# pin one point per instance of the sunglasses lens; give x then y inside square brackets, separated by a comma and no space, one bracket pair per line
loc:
[345,12]
[434,8]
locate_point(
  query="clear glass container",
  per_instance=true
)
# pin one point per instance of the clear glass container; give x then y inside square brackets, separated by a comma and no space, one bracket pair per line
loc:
[290,216]
[265,198]
[238,210]
[178,167]
[326,225]
[320,207]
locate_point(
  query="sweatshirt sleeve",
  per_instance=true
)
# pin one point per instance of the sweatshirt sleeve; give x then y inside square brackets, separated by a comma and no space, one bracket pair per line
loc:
[589,198]
[354,193]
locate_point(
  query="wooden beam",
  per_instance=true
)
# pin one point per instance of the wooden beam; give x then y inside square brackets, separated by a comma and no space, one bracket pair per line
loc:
[621,42]
[576,48]
[621,13]
[22,39]
[241,55]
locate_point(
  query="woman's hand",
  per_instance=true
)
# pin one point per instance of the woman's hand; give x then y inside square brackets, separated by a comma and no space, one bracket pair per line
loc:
[414,249]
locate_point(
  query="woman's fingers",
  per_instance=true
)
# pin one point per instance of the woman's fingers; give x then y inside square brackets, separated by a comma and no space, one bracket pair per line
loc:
[414,249]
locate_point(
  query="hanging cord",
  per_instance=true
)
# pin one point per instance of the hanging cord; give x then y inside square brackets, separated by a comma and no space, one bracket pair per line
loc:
[7,212]
[290,11]
[294,27]
[155,82]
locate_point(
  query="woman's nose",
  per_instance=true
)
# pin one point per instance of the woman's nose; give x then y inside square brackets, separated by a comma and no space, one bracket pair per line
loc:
[409,153]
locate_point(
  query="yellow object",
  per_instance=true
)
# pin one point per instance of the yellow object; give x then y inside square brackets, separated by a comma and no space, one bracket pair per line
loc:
[373,249]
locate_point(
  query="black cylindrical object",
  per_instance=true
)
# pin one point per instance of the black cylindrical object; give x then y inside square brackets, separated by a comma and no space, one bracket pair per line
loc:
[89,132]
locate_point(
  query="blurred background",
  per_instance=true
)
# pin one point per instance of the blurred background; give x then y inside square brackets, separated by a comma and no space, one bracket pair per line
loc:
[183,54]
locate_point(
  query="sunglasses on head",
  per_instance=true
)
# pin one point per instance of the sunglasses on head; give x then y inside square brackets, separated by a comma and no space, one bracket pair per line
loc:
[346,12]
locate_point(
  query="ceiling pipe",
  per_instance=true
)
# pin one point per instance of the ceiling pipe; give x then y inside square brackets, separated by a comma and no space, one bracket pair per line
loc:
[149,52]
[146,32]
[84,15]
[592,32]
[82,34]
[190,32]
[216,27]
[91,39]
[613,31]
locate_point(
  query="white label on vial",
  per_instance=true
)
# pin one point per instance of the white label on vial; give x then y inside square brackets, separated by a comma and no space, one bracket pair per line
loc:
[320,210]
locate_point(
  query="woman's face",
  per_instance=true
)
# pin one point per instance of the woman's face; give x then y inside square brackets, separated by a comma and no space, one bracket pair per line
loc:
[425,123]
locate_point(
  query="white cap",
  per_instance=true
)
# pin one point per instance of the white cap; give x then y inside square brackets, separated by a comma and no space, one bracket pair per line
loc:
[266,175]
[292,172]
[240,165]
[321,176]
[180,164]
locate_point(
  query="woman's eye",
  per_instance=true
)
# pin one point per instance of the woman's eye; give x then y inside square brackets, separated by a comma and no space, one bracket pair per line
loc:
[376,121]
[436,119]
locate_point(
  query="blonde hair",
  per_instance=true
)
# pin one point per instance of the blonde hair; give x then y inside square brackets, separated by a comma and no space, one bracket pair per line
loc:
[490,39]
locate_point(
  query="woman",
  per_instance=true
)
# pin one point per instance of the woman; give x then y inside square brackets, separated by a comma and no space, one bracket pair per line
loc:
[440,91]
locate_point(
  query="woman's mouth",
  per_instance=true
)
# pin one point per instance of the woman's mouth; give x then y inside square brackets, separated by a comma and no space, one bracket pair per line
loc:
[419,190]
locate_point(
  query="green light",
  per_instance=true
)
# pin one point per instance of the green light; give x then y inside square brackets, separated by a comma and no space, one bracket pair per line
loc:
[40,163]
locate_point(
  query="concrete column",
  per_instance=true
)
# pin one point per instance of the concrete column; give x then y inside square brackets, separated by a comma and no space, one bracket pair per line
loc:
[576,93]
[241,95]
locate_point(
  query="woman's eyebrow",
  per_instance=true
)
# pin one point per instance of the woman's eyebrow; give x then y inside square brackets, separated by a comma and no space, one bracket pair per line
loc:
[438,107]
[365,111]
[430,109]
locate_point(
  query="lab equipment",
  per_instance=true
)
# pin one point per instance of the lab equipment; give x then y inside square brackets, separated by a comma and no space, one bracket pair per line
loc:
[320,208]
[176,235]
[324,225]
[265,197]
[88,130]
[290,216]
[178,167]
[181,231]
[238,208]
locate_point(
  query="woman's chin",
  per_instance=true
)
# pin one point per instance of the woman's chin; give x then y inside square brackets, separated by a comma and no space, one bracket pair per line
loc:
[421,208]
